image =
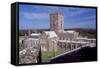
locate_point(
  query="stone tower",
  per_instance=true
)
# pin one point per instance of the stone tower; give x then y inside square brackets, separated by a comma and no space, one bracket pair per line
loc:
[57,22]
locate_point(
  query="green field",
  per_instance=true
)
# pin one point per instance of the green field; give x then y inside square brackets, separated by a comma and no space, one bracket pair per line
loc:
[47,55]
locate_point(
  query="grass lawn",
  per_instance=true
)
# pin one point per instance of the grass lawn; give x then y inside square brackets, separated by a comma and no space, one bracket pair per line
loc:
[47,55]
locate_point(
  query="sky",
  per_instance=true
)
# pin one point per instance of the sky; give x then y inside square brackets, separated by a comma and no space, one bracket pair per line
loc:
[37,16]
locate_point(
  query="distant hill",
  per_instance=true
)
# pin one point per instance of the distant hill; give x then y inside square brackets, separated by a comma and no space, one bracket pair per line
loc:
[91,33]
[23,32]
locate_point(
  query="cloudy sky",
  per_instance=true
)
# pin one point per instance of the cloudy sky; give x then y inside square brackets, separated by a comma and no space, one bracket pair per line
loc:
[37,17]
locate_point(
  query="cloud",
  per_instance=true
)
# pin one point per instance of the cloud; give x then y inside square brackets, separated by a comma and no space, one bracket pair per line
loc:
[35,16]
[45,8]
[75,13]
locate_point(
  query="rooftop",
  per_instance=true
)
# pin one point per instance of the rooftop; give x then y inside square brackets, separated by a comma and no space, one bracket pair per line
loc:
[70,31]
[35,34]
[50,34]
